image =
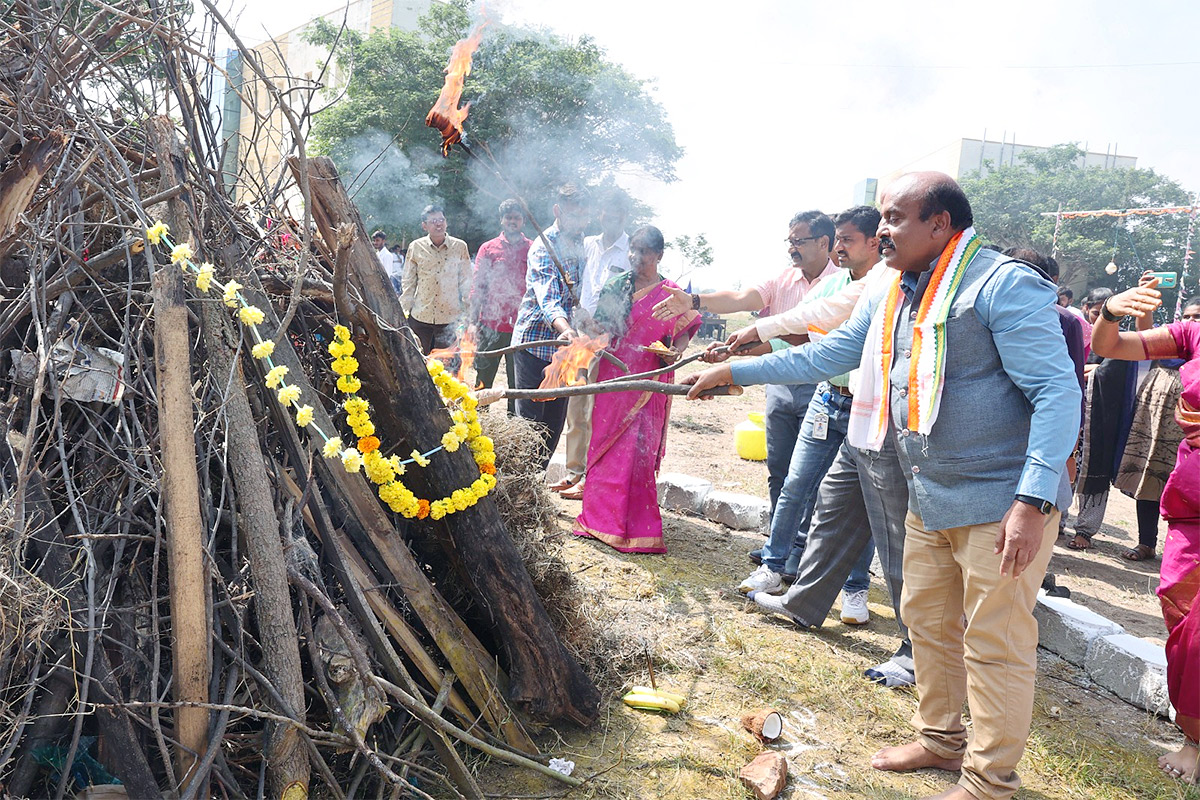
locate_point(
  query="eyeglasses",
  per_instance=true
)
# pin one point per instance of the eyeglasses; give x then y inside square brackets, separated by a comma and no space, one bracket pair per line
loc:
[798,242]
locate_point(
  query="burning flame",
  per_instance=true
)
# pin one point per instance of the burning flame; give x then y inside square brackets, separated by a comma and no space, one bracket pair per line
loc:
[445,115]
[570,360]
[464,350]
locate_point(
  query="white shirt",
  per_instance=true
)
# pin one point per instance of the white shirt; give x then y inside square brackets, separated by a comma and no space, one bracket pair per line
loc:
[823,313]
[602,264]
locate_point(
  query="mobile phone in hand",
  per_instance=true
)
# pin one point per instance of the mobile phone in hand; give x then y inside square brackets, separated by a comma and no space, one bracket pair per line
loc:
[1166,280]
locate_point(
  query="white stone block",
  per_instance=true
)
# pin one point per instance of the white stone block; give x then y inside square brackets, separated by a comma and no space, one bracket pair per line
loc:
[1133,669]
[742,512]
[1069,629]
[683,493]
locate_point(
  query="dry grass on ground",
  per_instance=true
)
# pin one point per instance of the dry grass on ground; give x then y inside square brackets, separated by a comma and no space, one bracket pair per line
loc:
[1086,744]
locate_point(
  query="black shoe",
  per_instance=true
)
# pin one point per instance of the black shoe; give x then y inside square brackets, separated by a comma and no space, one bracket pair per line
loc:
[1053,589]
[755,557]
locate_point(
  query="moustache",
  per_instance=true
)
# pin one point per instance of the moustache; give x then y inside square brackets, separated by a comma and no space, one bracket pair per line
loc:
[886,241]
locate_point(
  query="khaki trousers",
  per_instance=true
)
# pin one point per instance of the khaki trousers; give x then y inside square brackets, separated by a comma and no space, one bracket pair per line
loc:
[578,433]
[952,576]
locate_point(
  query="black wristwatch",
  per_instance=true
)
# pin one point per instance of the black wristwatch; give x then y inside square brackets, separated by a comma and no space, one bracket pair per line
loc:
[695,302]
[1108,315]
[1043,506]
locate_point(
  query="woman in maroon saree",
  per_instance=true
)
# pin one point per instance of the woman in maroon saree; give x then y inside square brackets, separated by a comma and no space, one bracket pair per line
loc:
[629,429]
[1180,506]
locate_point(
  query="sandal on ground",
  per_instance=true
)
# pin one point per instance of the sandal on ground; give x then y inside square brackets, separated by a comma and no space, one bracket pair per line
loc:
[572,493]
[562,485]
[1141,552]
[1075,543]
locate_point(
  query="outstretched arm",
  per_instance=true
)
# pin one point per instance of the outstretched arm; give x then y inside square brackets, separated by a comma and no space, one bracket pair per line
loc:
[680,302]
[1108,339]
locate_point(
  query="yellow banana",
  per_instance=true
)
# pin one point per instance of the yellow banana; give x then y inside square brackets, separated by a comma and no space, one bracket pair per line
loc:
[678,698]
[651,701]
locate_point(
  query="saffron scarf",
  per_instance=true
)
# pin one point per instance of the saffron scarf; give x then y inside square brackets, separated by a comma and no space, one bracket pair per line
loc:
[926,374]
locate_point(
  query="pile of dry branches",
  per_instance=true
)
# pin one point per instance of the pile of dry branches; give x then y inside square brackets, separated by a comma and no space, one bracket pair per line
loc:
[192,601]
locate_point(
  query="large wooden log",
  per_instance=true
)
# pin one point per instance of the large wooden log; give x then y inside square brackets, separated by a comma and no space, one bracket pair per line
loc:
[191,657]
[546,680]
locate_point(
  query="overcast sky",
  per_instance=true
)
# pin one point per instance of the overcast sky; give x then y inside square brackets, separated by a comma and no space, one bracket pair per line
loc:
[783,106]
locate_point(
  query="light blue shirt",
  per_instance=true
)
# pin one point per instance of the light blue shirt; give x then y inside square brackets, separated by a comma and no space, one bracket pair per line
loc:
[1016,306]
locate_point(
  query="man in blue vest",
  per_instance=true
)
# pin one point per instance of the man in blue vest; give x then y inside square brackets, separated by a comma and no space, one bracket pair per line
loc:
[964,368]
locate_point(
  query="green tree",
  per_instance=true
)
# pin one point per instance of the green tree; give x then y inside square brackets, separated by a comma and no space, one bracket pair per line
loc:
[549,111]
[1009,202]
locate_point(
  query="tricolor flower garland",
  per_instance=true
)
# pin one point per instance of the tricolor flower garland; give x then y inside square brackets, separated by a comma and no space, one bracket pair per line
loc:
[382,471]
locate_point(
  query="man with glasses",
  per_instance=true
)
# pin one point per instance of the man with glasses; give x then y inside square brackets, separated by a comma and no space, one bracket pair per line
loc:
[809,241]
[436,282]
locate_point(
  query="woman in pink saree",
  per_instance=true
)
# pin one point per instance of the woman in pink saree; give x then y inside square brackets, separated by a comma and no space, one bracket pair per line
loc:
[629,429]
[1180,505]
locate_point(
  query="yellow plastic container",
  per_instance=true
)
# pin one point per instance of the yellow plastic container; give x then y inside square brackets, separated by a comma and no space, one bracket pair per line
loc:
[750,438]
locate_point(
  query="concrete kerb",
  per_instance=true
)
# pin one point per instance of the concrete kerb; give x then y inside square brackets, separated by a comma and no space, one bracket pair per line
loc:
[1132,668]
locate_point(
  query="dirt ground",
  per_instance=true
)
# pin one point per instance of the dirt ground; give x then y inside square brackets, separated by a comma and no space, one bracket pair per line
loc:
[1085,743]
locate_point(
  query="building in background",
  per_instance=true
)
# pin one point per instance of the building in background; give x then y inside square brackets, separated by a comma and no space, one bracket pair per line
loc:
[965,156]
[254,145]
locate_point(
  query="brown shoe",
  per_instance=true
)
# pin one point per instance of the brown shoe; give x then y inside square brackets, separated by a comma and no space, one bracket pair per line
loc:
[573,493]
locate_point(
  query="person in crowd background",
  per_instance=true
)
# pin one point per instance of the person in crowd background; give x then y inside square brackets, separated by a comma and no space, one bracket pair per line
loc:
[436,283]
[1153,442]
[1108,413]
[499,285]
[1179,588]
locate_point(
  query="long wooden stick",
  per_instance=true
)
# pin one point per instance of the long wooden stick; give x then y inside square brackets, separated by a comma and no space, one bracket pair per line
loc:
[604,387]
[191,659]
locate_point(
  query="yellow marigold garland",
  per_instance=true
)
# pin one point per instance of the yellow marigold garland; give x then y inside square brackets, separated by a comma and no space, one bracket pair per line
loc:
[251,316]
[383,471]
[386,472]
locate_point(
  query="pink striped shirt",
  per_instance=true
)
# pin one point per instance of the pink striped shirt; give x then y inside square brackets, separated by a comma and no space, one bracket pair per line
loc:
[785,291]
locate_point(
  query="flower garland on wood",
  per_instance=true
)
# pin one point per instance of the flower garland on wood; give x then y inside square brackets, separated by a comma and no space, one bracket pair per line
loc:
[382,471]
[385,472]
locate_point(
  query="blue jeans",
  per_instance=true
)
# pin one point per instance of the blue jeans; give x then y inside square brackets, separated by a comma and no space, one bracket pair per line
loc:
[786,407]
[810,461]
[860,575]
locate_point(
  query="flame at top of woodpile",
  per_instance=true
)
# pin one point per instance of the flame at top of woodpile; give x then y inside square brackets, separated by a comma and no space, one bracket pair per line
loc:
[446,115]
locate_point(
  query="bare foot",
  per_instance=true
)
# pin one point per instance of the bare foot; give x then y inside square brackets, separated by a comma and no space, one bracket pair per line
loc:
[953,793]
[1182,764]
[913,756]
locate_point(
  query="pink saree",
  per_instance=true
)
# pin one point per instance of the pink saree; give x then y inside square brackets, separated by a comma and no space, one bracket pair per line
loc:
[629,436]
[1180,506]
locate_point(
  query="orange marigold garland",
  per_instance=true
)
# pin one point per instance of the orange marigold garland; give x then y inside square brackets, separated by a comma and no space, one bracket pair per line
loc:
[385,472]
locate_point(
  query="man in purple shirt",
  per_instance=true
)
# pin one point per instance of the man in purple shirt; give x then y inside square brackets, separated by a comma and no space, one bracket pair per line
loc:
[499,286]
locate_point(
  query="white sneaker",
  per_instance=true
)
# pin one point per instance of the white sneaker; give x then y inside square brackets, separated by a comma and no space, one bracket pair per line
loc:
[854,608]
[763,579]
[891,675]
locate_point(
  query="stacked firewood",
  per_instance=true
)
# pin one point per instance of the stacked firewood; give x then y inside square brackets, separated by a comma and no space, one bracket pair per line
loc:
[195,602]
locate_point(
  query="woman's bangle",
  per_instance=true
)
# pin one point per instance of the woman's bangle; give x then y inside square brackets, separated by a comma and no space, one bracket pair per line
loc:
[1108,315]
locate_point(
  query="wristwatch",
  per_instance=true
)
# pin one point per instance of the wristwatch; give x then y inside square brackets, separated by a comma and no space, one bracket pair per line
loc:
[695,302]
[1108,315]
[1043,506]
